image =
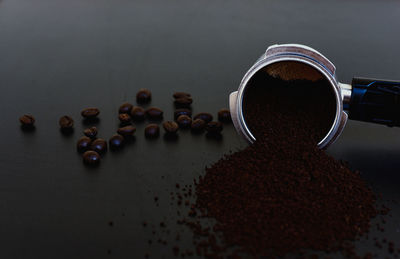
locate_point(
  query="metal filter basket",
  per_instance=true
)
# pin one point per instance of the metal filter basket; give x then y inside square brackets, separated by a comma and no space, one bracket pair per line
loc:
[369,100]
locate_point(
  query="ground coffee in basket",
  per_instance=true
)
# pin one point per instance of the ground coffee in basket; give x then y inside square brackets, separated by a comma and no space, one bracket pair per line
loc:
[282,194]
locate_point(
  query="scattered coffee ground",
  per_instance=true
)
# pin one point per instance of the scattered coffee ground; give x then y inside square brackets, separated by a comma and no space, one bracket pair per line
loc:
[170,127]
[205,116]
[152,131]
[27,120]
[224,115]
[66,122]
[90,132]
[90,113]
[91,158]
[184,121]
[125,108]
[138,113]
[99,145]
[154,113]
[282,194]
[143,96]
[83,144]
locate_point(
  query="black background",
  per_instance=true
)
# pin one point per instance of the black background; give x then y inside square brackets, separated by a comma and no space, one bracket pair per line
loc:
[57,57]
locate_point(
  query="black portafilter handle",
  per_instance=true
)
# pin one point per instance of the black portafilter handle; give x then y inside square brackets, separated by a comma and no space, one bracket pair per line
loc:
[374,100]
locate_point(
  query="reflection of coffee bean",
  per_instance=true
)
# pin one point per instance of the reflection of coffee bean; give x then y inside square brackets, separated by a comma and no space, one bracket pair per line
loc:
[184,121]
[138,114]
[178,95]
[83,144]
[125,108]
[127,130]
[27,120]
[152,131]
[99,145]
[198,125]
[66,122]
[143,96]
[90,132]
[224,115]
[170,127]
[214,127]
[116,141]
[154,113]
[90,113]
[205,116]
[91,158]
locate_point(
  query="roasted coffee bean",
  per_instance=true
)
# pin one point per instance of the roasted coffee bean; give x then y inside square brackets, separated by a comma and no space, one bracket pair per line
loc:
[83,144]
[124,118]
[170,127]
[205,116]
[184,121]
[99,145]
[178,95]
[90,132]
[138,113]
[66,122]
[198,125]
[27,120]
[116,141]
[154,113]
[183,102]
[224,115]
[90,113]
[152,131]
[183,111]
[143,96]
[125,108]
[91,158]
[127,130]
[214,127]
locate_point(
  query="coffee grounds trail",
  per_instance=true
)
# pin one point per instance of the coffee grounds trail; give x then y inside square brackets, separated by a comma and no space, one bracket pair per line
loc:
[282,194]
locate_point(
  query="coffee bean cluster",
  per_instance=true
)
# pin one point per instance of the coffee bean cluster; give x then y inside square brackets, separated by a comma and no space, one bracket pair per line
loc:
[93,148]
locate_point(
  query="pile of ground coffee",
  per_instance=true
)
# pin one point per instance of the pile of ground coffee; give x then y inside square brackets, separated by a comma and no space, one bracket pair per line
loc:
[282,194]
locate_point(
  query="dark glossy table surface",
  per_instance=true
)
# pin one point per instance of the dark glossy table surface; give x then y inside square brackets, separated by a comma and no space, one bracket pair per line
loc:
[58,56]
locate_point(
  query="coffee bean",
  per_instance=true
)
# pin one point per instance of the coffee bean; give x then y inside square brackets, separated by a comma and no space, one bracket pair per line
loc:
[90,132]
[184,121]
[127,130]
[125,108]
[99,145]
[224,115]
[178,95]
[143,96]
[152,131]
[116,141]
[198,125]
[83,144]
[27,120]
[183,102]
[205,116]
[138,114]
[183,111]
[90,113]
[91,158]
[214,127]
[170,127]
[154,113]
[66,122]
[124,118]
